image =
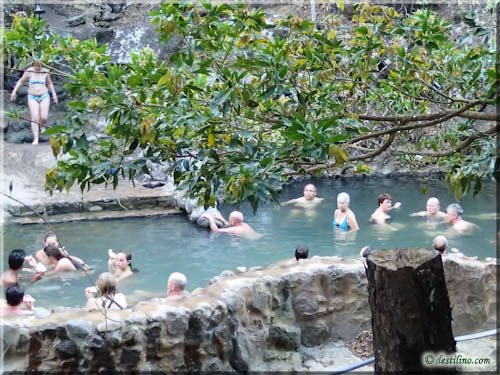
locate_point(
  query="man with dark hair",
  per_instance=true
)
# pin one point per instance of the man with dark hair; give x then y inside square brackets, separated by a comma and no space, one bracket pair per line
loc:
[15,298]
[301,252]
[16,261]
[17,257]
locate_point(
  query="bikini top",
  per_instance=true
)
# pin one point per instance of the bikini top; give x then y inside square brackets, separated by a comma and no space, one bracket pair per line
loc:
[34,81]
[344,224]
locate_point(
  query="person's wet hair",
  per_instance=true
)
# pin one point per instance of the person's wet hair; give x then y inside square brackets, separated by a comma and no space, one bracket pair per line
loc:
[128,256]
[16,259]
[53,251]
[106,283]
[301,252]
[456,209]
[14,295]
[382,197]
[50,234]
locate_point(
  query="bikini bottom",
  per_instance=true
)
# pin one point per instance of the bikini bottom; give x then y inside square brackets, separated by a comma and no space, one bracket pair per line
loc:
[39,98]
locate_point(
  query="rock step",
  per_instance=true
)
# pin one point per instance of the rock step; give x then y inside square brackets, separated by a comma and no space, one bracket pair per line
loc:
[97,215]
[94,205]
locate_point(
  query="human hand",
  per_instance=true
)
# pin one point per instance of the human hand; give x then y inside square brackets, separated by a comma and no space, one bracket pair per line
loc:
[397,205]
[13,96]
[28,301]
[111,254]
[54,98]
[40,268]
[217,216]
[37,276]
[89,291]
[31,261]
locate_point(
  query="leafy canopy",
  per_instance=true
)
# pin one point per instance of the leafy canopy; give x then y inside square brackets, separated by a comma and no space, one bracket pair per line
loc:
[244,102]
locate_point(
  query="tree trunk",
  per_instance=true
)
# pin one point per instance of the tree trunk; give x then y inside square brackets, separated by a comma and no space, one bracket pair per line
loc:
[411,311]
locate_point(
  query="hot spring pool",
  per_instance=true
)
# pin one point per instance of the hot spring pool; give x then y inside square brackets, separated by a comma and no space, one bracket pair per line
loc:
[167,244]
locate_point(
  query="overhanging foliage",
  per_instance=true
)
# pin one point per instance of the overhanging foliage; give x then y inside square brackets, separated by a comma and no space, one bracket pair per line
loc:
[245,103]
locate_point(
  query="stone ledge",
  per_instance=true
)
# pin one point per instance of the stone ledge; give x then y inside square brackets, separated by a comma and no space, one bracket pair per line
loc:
[97,215]
[237,323]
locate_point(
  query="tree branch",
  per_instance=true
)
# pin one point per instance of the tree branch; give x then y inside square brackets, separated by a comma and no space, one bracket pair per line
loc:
[436,117]
[474,115]
[454,150]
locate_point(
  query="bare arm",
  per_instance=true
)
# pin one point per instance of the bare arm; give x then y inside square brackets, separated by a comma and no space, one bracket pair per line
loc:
[64,265]
[291,201]
[396,205]
[21,81]
[50,85]
[213,225]
[353,223]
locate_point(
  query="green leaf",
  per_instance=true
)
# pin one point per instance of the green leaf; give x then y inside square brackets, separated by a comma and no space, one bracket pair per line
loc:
[53,130]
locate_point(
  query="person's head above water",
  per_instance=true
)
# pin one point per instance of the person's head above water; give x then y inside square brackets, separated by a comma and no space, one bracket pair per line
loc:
[235,218]
[16,259]
[176,283]
[301,252]
[106,283]
[343,201]
[432,206]
[454,212]
[310,192]
[14,295]
[440,243]
[51,239]
[53,251]
[384,198]
[124,260]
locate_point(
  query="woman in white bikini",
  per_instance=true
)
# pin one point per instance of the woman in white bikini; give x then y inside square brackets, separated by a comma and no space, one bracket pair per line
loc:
[38,95]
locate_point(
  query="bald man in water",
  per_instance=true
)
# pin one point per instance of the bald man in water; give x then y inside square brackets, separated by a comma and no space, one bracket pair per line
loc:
[237,225]
[432,210]
[309,200]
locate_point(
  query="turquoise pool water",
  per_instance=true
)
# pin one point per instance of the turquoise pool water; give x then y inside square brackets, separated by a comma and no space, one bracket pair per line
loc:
[163,245]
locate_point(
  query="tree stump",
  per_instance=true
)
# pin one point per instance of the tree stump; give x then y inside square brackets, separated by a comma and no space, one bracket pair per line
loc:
[411,311]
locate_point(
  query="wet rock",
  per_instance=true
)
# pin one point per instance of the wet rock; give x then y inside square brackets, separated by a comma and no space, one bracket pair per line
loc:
[41,312]
[315,334]
[241,269]
[79,330]
[130,336]
[16,339]
[202,221]
[176,323]
[284,337]
[227,274]
[130,357]
[76,20]
[66,349]
[259,300]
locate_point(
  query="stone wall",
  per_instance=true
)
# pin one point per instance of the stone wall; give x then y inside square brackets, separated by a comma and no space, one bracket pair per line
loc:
[234,322]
